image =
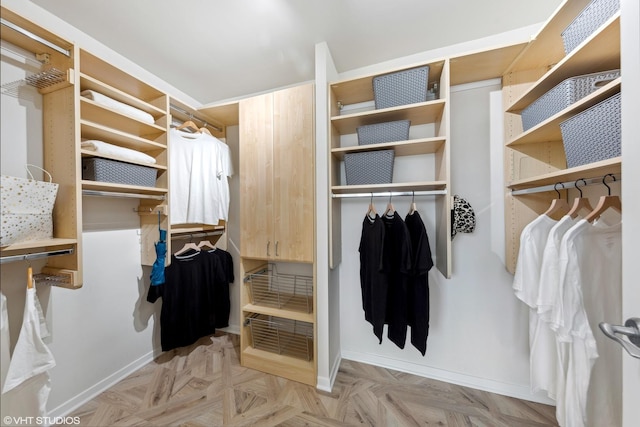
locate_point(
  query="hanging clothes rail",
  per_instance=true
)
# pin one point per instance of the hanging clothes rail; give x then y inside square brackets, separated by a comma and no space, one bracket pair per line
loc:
[35,255]
[568,185]
[191,236]
[191,116]
[35,37]
[116,194]
[390,194]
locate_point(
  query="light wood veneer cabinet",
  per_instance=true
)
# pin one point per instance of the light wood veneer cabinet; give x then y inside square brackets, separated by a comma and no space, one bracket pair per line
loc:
[277,175]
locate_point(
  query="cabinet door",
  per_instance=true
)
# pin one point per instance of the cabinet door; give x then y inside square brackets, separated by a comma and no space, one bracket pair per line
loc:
[256,171]
[293,173]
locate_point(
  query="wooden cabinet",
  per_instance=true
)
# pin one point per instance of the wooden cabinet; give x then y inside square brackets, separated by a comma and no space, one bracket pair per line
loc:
[277,175]
[277,225]
[535,159]
[352,106]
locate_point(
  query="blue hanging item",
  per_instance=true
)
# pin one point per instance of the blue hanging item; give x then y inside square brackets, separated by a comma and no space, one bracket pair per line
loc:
[157,270]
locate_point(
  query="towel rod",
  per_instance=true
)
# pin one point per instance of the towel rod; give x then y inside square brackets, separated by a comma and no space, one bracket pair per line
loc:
[36,37]
[568,185]
[116,194]
[390,194]
[35,255]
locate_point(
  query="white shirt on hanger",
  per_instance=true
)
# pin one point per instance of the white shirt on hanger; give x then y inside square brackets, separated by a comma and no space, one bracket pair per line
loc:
[199,192]
[591,287]
[27,386]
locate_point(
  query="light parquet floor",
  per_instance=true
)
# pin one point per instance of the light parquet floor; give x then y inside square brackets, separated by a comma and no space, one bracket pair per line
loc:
[203,385]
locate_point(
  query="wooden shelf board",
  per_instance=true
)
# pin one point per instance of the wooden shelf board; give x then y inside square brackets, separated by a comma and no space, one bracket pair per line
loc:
[400,186]
[122,188]
[421,113]
[483,65]
[601,52]
[91,130]
[402,148]
[89,83]
[283,366]
[546,47]
[227,114]
[279,312]
[94,112]
[591,170]
[46,244]
[360,89]
[195,228]
[549,130]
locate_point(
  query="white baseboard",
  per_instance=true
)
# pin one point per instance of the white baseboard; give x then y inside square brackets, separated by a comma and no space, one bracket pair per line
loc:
[326,383]
[512,390]
[74,403]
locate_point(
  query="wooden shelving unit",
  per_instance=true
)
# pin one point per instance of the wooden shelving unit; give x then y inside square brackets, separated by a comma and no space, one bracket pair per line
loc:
[536,157]
[348,94]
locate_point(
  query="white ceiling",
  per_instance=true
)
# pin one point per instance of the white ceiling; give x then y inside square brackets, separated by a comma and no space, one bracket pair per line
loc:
[215,50]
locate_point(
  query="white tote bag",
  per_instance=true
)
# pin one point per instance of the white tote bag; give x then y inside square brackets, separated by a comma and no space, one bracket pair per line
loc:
[27,206]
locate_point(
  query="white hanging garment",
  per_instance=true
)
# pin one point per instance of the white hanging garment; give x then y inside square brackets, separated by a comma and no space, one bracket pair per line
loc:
[4,339]
[27,386]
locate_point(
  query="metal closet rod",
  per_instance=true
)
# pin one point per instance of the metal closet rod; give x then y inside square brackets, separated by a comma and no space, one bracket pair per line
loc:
[116,194]
[190,236]
[567,185]
[36,37]
[390,194]
[191,116]
[35,255]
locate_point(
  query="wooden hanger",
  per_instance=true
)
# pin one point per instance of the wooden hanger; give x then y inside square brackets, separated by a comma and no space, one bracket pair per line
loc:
[205,243]
[559,207]
[390,209]
[579,203]
[413,209]
[605,202]
[371,213]
[29,277]
[188,246]
[204,129]
[188,124]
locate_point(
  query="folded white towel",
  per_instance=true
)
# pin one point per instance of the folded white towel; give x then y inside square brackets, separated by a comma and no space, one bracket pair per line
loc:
[118,106]
[116,151]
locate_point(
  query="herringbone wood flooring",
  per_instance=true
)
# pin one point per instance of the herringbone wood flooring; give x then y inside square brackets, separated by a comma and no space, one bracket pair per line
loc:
[204,385]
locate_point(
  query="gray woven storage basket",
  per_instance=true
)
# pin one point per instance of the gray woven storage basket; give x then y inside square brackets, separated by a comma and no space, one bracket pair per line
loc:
[594,134]
[383,132]
[401,88]
[563,95]
[106,170]
[591,17]
[372,167]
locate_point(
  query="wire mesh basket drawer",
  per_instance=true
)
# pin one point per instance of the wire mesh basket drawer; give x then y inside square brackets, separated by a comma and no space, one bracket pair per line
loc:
[563,95]
[106,170]
[590,18]
[401,88]
[372,167]
[383,132]
[269,288]
[281,336]
[594,134]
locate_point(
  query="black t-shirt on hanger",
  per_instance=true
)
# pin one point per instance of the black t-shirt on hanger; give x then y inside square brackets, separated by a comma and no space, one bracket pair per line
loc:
[396,264]
[373,282]
[418,287]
